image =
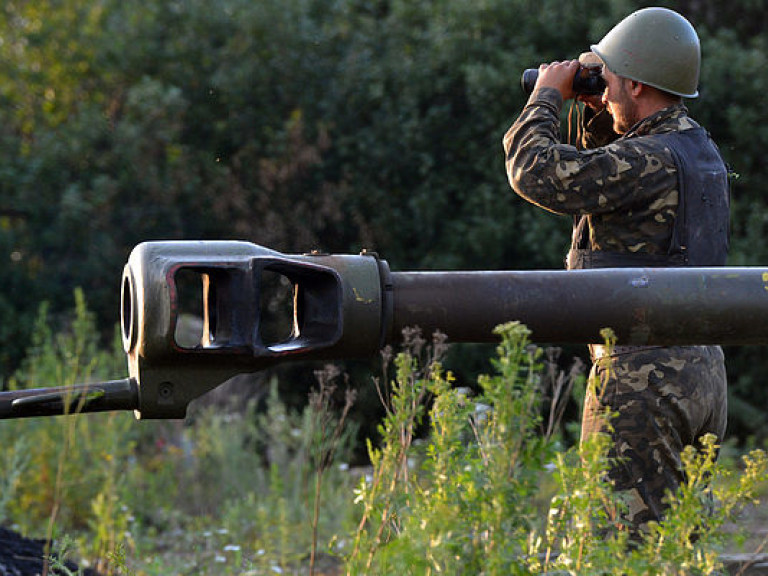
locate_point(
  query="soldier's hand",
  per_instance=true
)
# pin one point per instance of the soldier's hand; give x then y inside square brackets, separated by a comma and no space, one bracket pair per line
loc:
[559,75]
[594,101]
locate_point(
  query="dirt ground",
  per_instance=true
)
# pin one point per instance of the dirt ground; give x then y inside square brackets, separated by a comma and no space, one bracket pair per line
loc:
[21,556]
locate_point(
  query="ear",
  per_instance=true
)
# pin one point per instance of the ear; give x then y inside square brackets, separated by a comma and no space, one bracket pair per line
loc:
[636,88]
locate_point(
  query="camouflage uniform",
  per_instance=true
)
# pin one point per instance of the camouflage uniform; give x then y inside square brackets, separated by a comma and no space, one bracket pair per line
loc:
[666,399]
[623,197]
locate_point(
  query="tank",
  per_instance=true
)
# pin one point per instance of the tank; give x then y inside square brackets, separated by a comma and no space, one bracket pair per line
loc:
[350,306]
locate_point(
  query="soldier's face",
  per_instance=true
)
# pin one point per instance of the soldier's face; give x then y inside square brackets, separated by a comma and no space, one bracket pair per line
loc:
[619,102]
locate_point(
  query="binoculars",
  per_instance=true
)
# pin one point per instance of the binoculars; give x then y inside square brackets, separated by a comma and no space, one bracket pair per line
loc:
[587,80]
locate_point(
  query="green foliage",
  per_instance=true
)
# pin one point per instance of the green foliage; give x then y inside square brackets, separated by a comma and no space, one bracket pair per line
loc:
[460,483]
[251,481]
[68,471]
[72,459]
[232,481]
[377,125]
[388,491]
[15,458]
[474,503]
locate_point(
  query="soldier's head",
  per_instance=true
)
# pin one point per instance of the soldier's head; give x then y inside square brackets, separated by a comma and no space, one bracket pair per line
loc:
[654,53]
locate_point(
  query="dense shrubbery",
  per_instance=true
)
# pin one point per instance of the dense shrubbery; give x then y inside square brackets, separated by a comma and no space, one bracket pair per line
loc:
[303,124]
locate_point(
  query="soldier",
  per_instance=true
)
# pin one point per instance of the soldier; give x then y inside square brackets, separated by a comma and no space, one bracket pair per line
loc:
[657,195]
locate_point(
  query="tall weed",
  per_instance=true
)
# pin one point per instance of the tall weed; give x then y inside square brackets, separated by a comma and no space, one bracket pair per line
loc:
[470,505]
[12,467]
[225,490]
[460,482]
[491,494]
[69,461]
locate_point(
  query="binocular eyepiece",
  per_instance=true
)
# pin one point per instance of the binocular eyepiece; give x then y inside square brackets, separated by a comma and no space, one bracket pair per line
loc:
[587,80]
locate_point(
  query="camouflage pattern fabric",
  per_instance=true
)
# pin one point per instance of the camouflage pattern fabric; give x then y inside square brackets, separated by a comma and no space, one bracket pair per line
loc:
[666,399]
[627,189]
[623,197]
[597,129]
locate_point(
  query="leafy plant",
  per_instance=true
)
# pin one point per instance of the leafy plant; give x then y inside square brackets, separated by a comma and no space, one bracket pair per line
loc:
[492,495]
[69,461]
[12,468]
[461,482]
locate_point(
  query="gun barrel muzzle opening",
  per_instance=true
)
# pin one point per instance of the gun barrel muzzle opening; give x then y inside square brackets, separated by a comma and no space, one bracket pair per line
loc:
[128,311]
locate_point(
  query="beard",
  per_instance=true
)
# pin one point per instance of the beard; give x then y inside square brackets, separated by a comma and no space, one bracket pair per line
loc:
[624,111]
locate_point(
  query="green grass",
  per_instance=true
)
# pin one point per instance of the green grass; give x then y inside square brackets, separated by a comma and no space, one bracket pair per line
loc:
[460,483]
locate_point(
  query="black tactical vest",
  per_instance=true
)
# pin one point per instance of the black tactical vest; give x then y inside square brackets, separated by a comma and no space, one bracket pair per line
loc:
[701,230]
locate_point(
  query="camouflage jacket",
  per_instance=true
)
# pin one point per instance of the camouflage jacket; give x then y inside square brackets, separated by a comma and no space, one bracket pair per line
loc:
[627,189]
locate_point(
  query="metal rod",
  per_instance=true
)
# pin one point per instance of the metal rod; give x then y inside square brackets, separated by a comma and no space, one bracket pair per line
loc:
[96,397]
[641,305]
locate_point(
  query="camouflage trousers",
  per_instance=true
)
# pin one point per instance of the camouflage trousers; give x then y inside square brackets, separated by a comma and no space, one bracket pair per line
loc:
[666,398]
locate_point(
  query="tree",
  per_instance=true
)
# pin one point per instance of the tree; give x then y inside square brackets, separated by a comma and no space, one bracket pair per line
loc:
[303,124]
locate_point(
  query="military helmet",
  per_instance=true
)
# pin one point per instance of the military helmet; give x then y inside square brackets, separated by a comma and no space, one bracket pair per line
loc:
[655,46]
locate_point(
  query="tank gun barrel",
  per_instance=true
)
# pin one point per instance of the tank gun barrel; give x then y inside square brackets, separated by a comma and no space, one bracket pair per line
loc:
[654,306]
[350,306]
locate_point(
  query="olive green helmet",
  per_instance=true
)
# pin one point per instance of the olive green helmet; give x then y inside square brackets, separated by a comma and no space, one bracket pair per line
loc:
[655,46]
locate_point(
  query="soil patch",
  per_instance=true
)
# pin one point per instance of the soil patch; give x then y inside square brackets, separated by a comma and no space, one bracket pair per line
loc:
[21,556]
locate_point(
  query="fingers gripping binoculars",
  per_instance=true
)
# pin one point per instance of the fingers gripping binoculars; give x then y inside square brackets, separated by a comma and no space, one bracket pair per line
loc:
[588,80]
[350,306]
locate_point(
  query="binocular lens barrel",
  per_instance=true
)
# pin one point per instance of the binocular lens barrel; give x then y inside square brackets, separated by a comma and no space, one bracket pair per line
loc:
[586,80]
[528,79]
